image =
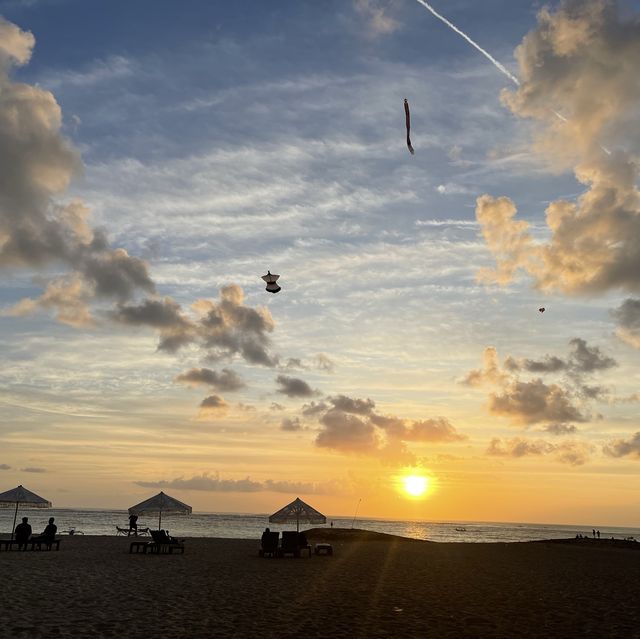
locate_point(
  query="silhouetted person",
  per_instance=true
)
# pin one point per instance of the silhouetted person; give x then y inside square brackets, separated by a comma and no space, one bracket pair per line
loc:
[23,532]
[133,525]
[265,537]
[593,532]
[48,535]
[598,533]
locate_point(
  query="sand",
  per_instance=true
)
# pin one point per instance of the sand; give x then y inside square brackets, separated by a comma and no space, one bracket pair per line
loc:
[373,586]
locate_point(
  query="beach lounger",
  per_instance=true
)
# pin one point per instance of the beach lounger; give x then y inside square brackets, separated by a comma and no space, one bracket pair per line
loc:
[125,532]
[33,544]
[269,544]
[163,543]
[291,544]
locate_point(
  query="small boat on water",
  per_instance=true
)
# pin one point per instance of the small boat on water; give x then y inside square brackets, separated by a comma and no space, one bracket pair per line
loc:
[461,530]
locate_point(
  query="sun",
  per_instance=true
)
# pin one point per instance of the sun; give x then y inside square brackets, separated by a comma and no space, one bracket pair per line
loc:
[415,485]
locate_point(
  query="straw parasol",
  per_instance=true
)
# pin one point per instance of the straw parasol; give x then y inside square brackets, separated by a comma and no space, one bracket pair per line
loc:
[161,503]
[20,496]
[297,511]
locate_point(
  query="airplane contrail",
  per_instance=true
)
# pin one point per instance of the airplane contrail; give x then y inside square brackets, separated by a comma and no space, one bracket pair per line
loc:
[486,54]
[489,57]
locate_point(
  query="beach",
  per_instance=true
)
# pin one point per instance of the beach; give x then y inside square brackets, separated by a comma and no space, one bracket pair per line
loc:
[373,586]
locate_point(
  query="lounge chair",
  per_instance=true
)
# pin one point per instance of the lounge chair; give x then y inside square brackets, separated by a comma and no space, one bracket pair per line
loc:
[303,544]
[291,544]
[269,544]
[163,543]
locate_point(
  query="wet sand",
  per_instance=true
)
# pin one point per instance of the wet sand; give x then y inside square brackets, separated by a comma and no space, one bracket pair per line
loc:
[373,586]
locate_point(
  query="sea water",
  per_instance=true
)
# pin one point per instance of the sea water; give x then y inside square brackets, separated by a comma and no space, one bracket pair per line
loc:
[250,526]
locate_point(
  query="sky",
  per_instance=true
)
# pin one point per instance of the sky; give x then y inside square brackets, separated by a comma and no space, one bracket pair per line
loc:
[156,160]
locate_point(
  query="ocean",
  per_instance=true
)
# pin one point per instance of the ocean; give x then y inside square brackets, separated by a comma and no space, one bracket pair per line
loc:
[250,526]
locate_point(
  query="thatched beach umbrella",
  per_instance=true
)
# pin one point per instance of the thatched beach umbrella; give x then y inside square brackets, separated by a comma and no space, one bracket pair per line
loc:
[297,511]
[20,496]
[160,503]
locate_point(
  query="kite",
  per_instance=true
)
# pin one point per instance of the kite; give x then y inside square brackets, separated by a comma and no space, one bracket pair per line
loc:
[541,309]
[271,280]
[408,121]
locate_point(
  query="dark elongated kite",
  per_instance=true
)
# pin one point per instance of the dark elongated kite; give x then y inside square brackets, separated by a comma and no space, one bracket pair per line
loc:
[271,280]
[407,116]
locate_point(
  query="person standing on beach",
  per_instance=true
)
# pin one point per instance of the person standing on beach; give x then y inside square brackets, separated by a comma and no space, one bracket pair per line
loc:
[23,532]
[593,532]
[133,525]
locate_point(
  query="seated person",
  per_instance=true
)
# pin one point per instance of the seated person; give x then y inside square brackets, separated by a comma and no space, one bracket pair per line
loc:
[48,535]
[266,536]
[163,537]
[22,533]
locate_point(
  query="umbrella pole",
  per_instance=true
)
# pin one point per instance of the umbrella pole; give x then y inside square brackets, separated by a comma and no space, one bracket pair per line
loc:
[15,516]
[160,520]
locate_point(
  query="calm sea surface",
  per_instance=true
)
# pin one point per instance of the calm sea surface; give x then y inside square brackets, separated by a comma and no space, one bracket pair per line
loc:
[104,522]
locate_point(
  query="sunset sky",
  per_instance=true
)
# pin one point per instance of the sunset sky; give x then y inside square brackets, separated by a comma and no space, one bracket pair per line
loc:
[157,158]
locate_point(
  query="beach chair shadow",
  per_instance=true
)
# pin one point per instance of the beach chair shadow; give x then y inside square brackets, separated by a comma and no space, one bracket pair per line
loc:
[269,544]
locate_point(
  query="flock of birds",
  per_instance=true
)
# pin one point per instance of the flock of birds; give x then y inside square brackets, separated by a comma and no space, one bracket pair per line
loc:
[271,279]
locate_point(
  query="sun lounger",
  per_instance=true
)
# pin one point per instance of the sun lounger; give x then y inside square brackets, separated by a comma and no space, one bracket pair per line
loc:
[293,544]
[163,543]
[126,532]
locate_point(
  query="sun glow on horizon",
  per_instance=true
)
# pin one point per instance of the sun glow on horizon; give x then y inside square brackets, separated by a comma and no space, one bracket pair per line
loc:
[415,485]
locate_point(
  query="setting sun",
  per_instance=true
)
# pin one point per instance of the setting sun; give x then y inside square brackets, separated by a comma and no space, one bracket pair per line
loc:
[415,485]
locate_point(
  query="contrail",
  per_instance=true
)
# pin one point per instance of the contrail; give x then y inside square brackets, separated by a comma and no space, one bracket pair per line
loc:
[486,54]
[489,57]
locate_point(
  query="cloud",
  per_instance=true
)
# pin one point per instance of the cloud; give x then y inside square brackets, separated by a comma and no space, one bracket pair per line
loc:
[587,359]
[324,363]
[569,452]
[293,363]
[350,405]
[294,387]
[347,433]
[351,425]
[37,164]
[560,429]
[576,62]
[32,469]
[15,46]
[222,329]
[5,467]
[379,20]
[213,483]
[314,408]
[628,317]
[490,373]
[624,447]
[291,425]
[225,381]
[535,401]
[212,406]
